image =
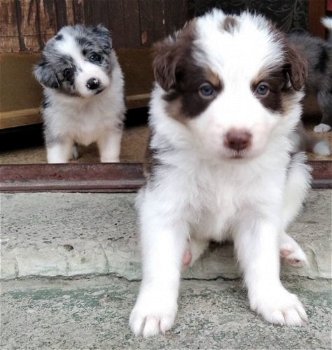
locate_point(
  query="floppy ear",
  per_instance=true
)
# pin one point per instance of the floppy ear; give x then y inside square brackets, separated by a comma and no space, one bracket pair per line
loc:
[46,75]
[104,37]
[171,55]
[166,59]
[296,67]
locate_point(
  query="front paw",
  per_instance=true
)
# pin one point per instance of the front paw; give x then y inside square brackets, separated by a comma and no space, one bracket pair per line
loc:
[154,313]
[278,306]
[322,128]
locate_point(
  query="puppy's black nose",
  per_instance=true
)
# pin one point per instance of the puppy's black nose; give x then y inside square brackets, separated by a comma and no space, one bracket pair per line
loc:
[93,84]
[237,139]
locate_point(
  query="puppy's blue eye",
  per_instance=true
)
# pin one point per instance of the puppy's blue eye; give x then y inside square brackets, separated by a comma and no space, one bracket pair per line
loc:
[94,57]
[262,89]
[206,90]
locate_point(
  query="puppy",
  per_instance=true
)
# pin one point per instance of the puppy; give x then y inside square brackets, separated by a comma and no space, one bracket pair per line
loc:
[223,110]
[83,93]
[319,82]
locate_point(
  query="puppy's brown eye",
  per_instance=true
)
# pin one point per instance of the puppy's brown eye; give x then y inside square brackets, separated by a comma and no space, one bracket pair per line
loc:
[67,73]
[262,89]
[207,91]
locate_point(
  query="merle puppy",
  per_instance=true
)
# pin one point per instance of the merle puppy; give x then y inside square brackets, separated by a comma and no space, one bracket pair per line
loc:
[83,93]
[318,53]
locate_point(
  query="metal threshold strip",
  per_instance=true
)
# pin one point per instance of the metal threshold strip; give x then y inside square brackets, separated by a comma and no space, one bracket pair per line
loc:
[117,177]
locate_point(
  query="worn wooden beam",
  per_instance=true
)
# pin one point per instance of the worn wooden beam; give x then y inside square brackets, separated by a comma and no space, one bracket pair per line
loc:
[71,177]
[321,174]
[118,177]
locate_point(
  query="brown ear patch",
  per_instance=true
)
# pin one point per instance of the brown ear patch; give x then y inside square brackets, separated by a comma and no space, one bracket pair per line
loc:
[172,52]
[296,67]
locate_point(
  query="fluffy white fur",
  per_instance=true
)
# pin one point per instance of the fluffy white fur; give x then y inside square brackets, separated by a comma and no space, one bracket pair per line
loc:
[201,192]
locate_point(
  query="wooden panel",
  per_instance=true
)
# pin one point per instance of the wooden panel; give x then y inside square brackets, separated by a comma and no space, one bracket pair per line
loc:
[317,10]
[20,117]
[78,11]
[131,22]
[115,11]
[9,34]
[329,5]
[176,14]
[27,24]
[160,18]
[18,88]
[147,23]
[61,13]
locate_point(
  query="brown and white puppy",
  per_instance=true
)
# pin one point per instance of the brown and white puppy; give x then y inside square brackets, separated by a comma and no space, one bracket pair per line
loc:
[223,112]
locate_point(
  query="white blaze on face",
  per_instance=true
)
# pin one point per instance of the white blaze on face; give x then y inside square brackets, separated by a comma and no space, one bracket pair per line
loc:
[237,58]
[85,70]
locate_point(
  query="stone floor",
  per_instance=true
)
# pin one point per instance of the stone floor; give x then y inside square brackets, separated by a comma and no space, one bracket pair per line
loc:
[70,266]
[69,234]
[92,313]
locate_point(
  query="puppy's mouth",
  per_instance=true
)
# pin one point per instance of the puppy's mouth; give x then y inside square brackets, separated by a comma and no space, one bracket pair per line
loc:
[238,155]
[99,91]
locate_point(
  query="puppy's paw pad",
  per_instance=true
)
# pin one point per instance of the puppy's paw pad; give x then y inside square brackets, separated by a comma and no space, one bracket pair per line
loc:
[281,308]
[150,325]
[322,128]
[154,313]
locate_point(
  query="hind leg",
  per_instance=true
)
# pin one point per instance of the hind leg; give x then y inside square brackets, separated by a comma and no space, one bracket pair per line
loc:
[195,248]
[297,185]
[296,188]
[291,252]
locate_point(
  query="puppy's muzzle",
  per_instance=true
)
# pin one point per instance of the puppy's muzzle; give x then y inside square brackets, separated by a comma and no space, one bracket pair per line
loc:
[93,84]
[237,140]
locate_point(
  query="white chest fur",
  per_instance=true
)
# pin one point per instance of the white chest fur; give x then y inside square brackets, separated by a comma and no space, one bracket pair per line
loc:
[84,120]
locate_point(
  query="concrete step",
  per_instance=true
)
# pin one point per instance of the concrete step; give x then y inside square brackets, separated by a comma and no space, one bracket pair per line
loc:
[93,313]
[71,234]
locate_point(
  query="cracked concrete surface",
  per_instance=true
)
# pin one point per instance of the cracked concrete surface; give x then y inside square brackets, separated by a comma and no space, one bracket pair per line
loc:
[67,234]
[89,241]
[93,312]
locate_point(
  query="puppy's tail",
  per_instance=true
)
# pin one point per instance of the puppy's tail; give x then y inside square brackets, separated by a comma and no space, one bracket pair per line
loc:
[327,23]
